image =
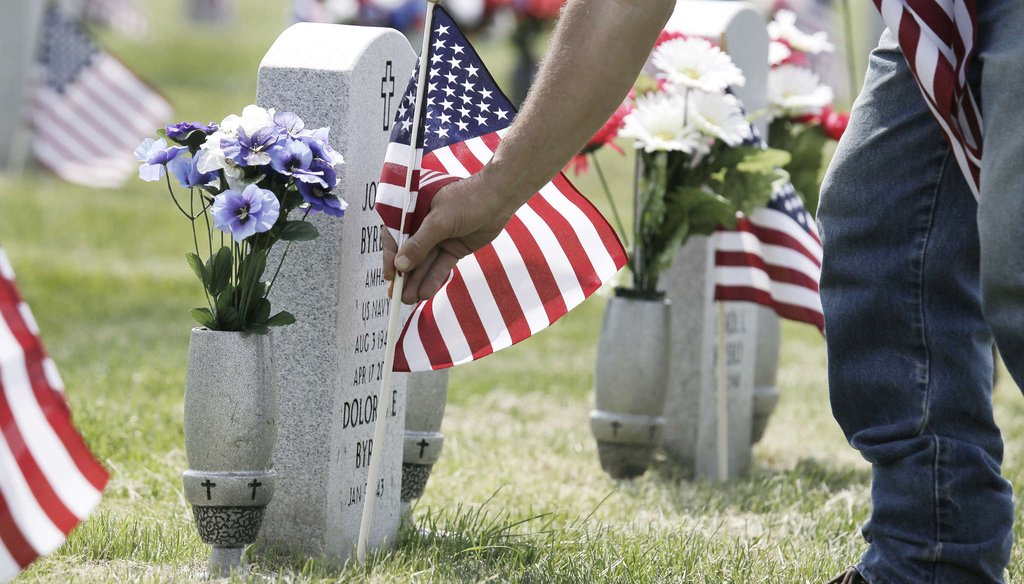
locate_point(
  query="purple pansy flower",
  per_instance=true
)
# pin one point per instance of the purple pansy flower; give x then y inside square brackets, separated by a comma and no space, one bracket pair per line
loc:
[319,143]
[154,154]
[321,200]
[293,158]
[289,123]
[254,210]
[179,132]
[246,150]
[184,169]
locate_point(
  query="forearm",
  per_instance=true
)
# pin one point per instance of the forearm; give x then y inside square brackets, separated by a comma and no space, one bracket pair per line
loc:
[595,55]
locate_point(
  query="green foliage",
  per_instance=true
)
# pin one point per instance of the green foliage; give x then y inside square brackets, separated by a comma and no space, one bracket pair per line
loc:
[806,145]
[298,231]
[679,200]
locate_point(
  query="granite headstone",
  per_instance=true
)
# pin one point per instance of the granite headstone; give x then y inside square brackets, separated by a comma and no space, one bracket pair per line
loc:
[329,363]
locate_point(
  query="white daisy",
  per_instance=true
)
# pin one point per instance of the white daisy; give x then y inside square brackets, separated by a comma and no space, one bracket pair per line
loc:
[696,63]
[796,91]
[784,28]
[658,122]
[719,116]
[777,53]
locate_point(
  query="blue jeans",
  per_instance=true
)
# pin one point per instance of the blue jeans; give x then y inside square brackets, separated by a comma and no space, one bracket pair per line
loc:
[917,280]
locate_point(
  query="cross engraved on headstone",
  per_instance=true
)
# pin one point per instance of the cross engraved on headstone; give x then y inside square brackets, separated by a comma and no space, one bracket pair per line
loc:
[255,484]
[615,428]
[423,445]
[209,485]
[387,91]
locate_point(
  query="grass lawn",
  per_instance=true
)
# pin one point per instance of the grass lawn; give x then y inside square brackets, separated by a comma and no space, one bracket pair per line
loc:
[518,494]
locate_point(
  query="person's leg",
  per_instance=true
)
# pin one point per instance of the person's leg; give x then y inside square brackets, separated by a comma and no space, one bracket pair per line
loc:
[910,359]
[1001,211]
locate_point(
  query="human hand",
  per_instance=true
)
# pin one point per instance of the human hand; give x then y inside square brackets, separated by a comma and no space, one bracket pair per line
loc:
[464,216]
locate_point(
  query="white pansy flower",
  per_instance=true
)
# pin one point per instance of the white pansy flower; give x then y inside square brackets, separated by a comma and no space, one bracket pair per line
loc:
[211,155]
[777,53]
[253,118]
[719,116]
[796,91]
[695,63]
[783,28]
[658,122]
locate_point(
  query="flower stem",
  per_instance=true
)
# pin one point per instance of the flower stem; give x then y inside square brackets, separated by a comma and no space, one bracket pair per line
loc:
[195,241]
[175,199]
[611,201]
[284,254]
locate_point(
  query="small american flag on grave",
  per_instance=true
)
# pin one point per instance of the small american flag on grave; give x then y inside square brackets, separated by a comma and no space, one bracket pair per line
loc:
[555,252]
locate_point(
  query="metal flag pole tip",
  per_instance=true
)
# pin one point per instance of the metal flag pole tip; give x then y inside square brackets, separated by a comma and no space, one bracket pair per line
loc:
[373,473]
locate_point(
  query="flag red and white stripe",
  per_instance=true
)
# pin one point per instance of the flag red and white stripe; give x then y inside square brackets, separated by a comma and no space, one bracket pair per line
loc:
[772,258]
[49,481]
[937,38]
[555,251]
[89,111]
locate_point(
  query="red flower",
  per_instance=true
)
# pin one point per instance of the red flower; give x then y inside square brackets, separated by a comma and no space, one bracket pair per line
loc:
[834,122]
[604,137]
[795,57]
[668,35]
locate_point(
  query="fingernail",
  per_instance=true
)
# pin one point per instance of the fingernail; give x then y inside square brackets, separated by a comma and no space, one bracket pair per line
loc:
[402,263]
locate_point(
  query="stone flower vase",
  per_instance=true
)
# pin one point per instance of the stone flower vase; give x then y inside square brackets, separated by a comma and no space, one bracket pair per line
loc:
[426,395]
[230,429]
[630,382]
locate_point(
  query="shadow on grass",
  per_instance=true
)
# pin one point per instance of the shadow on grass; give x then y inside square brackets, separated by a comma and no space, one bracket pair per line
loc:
[804,487]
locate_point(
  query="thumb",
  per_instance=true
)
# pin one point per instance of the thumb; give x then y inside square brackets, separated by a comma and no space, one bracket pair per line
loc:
[431,232]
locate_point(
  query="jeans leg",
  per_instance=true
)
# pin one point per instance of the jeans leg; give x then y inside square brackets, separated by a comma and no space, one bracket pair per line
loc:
[909,352]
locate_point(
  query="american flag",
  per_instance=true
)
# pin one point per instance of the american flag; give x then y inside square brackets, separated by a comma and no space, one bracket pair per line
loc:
[49,481]
[89,111]
[554,253]
[773,258]
[937,39]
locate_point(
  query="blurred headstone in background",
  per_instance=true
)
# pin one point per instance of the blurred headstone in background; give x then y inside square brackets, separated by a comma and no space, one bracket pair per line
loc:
[124,17]
[215,12]
[19,36]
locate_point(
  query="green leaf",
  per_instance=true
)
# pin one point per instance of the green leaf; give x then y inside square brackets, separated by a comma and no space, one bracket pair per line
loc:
[219,270]
[252,268]
[258,329]
[223,301]
[204,317]
[196,263]
[763,160]
[298,231]
[281,319]
[228,319]
[260,311]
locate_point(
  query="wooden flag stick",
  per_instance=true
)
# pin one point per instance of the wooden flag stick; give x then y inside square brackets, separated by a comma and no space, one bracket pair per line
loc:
[721,401]
[373,474]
